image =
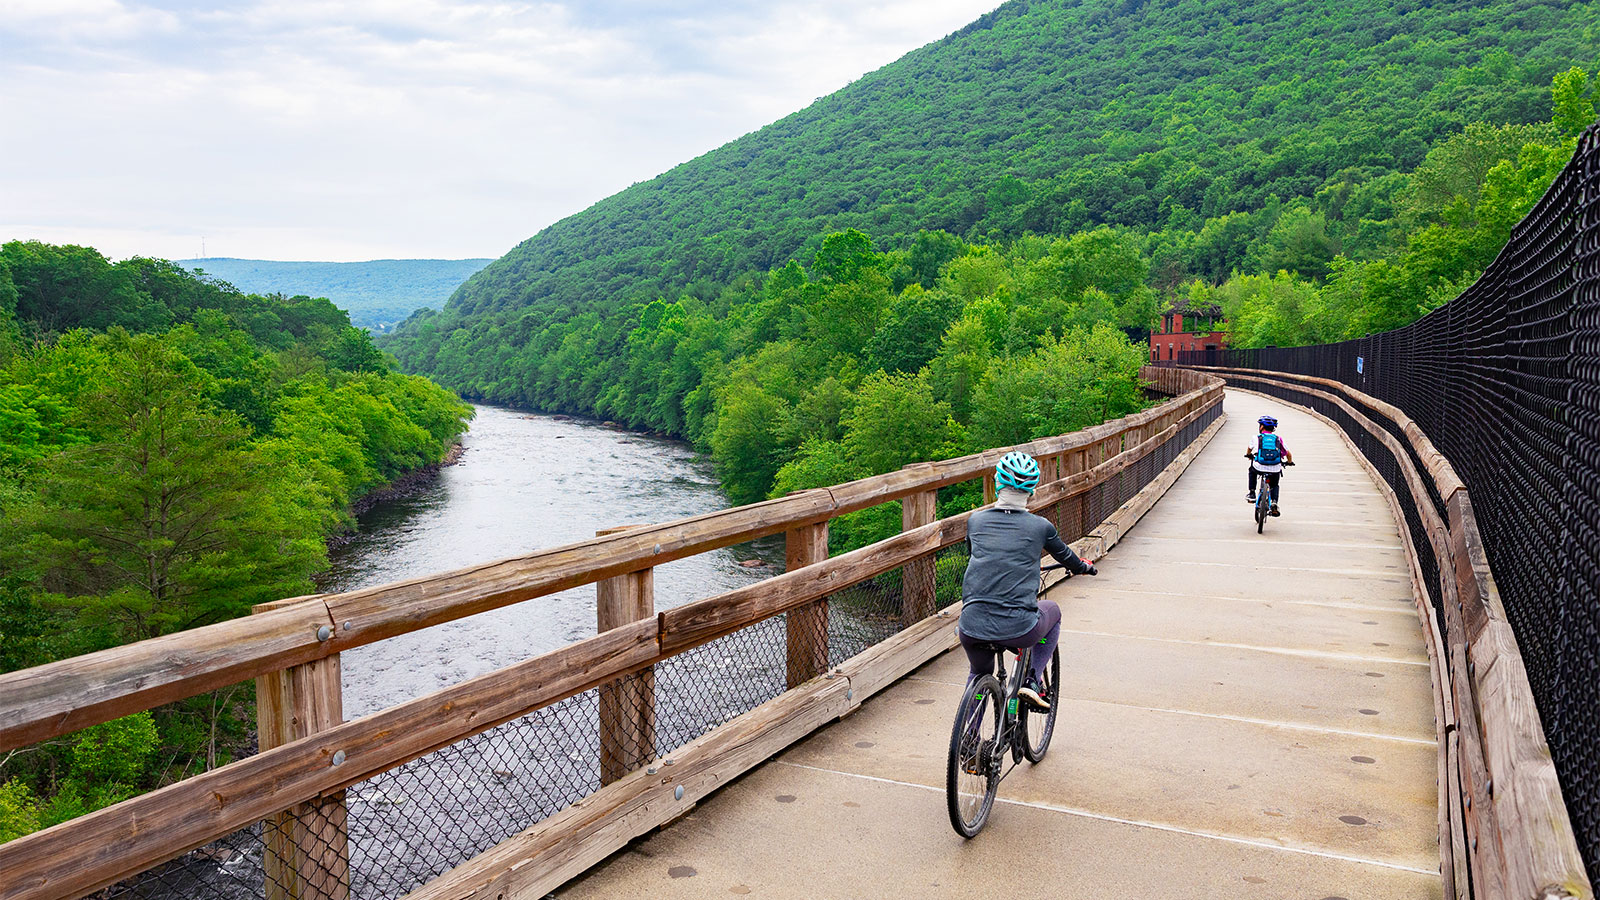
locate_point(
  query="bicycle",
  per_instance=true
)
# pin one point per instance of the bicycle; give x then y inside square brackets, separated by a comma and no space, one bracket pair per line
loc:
[1264,498]
[1019,730]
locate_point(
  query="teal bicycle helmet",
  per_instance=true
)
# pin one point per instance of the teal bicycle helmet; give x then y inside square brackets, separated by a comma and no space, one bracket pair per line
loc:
[1017,470]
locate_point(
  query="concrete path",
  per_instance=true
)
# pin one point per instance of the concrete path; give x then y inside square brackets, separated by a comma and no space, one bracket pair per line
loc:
[1243,716]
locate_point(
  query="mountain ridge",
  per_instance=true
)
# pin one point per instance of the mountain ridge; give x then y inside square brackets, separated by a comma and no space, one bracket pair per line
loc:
[377,293]
[890,155]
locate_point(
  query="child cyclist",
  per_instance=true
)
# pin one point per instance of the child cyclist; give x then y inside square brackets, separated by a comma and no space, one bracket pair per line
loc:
[1267,459]
[1000,593]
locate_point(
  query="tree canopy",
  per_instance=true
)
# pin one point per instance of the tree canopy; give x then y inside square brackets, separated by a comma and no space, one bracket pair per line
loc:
[1055,116]
[172,451]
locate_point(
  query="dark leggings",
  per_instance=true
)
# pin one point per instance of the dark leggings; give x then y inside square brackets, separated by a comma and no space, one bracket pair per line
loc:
[1047,631]
[1271,478]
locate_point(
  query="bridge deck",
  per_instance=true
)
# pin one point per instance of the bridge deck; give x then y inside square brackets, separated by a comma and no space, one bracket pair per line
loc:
[1243,716]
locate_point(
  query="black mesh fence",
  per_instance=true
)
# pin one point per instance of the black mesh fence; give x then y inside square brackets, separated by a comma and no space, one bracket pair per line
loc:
[1506,381]
[388,835]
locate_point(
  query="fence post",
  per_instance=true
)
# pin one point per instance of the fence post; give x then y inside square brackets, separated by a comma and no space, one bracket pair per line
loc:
[1050,468]
[627,705]
[1073,462]
[808,624]
[916,579]
[1069,512]
[988,487]
[307,846]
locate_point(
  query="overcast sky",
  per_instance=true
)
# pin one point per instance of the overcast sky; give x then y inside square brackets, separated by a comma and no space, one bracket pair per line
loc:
[365,129]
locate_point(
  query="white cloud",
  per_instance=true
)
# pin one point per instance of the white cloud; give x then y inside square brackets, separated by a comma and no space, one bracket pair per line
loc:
[346,130]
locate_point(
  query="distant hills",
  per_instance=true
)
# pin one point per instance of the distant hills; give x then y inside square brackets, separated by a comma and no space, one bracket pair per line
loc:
[377,294]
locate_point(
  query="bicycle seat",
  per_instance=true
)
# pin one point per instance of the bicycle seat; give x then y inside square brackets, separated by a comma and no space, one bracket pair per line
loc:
[995,648]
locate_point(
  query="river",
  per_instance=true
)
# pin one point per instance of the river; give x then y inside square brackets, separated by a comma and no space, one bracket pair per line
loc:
[525,482]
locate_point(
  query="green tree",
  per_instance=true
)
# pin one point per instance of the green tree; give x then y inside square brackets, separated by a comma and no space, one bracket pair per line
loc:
[911,330]
[1299,242]
[930,251]
[164,520]
[963,358]
[748,443]
[19,810]
[115,752]
[1445,187]
[1573,96]
[65,287]
[1068,384]
[896,420]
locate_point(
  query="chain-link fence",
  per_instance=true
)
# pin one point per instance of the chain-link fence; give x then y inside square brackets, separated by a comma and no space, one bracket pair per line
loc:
[1506,381]
[388,835]
[1077,515]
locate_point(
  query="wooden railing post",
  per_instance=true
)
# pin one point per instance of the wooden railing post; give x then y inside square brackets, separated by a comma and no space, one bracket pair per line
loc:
[627,705]
[989,493]
[808,624]
[916,579]
[307,846]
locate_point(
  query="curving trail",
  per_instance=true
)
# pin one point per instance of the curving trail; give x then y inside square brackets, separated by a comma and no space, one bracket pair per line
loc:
[1243,716]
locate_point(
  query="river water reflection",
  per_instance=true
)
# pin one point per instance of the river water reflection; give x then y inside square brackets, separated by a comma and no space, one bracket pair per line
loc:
[526,482]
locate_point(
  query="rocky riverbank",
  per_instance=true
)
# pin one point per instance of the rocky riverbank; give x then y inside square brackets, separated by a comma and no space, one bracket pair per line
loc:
[408,485]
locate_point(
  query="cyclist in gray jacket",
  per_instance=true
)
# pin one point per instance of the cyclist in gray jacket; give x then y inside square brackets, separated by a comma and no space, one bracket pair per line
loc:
[1000,593]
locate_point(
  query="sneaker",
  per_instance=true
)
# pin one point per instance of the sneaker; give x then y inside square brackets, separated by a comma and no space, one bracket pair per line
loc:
[1250,497]
[1274,511]
[1034,692]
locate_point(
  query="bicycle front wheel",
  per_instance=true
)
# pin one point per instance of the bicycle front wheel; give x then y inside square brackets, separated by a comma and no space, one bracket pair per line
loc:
[1040,724]
[973,774]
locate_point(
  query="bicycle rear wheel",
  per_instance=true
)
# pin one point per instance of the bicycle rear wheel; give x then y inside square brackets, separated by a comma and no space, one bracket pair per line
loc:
[973,772]
[1040,724]
[1262,505]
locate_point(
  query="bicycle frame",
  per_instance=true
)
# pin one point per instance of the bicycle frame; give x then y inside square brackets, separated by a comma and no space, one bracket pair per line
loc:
[1009,737]
[1264,495]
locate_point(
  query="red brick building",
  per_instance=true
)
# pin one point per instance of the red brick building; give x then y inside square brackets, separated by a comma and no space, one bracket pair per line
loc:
[1184,328]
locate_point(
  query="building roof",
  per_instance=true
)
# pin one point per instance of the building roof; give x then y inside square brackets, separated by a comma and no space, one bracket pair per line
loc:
[1184,306]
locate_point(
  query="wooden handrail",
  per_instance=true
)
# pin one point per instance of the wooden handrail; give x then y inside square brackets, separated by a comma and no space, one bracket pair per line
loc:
[1519,840]
[103,847]
[61,697]
[113,843]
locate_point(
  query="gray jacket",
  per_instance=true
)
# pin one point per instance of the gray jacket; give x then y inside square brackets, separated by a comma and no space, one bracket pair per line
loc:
[1001,587]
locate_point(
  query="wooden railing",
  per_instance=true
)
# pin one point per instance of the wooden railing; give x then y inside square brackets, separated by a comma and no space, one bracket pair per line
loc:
[309,754]
[1503,826]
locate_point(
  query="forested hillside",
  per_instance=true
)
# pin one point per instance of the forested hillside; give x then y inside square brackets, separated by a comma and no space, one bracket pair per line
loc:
[1058,115]
[964,248]
[377,294]
[172,451]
